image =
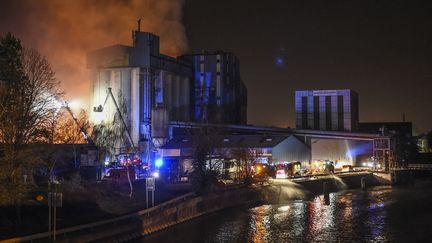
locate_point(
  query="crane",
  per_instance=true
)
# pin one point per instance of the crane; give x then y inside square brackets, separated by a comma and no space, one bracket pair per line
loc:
[84,133]
[100,108]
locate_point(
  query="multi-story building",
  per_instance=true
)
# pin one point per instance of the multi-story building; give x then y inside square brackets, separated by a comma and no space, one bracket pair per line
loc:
[153,89]
[144,82]
[220,95]
[330,110]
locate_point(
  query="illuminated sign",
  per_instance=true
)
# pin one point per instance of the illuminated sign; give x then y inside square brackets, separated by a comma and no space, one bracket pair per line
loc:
[324,92]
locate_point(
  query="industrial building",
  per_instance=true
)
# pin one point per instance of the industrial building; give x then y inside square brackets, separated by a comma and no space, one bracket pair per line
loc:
[153,89]
[405,128]
[164,99]
[342,151]
[220,95]
[264,149]
[270,145]
[329,110]
[402,140]
[143,80]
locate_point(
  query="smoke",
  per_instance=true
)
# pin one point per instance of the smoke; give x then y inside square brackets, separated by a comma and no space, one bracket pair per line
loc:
[65,30]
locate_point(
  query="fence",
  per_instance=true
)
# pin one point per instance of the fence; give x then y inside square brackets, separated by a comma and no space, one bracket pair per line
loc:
[95,226]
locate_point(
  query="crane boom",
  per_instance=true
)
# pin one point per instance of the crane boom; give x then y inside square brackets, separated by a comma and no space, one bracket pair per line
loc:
[121,117]
[84,133]
[100,109]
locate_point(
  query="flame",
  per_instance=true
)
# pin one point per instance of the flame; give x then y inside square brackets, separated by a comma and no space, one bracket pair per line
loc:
[64,31]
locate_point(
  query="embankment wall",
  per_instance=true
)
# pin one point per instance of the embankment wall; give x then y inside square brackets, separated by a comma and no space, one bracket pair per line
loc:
[182,209]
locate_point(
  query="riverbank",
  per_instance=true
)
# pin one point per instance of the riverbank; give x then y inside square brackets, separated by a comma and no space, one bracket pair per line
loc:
[83,203]
[180,210]
[379,214]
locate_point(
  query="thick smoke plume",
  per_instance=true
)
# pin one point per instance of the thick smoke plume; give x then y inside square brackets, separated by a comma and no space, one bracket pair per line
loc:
[65,30]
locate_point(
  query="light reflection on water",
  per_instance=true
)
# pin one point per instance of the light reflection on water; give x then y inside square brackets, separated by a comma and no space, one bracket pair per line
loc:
[381,214]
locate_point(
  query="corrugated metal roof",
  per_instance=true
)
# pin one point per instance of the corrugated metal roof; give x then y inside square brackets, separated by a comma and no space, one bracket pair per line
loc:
[227,141]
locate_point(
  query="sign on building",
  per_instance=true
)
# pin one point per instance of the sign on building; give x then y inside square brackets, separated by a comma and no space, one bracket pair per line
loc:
[324,92]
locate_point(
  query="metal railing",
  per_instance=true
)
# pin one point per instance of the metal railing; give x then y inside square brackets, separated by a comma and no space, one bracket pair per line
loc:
[75,230]
[413,167]
[420,166]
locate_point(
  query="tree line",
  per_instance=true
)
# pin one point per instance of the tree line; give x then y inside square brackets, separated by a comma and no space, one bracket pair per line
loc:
[30,113]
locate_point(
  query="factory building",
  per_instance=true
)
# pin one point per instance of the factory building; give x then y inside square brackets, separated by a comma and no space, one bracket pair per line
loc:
[146,85]
[329,110]
[153,89]
[219,94]
[342,151]
[263,149]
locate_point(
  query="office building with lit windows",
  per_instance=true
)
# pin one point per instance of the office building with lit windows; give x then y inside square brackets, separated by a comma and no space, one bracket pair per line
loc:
[329,110]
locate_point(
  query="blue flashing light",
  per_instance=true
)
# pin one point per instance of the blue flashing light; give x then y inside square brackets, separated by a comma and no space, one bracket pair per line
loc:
[279,61]
[158,162]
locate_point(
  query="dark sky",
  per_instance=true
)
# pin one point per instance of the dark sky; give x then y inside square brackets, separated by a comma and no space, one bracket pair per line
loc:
[381,49]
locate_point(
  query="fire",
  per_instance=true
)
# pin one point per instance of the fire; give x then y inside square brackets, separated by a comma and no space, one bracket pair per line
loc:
[64,31]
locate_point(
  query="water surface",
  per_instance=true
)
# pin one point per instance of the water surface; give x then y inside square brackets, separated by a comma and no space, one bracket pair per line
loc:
[381,214]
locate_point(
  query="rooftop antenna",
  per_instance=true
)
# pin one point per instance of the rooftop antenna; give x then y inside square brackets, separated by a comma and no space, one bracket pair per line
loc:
[139,24]
[403,117]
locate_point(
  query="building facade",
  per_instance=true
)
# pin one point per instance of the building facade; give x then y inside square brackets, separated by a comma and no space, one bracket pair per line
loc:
[143,81]
[263,149]
[342,151]
[153,89]
[329,110]
[219,94]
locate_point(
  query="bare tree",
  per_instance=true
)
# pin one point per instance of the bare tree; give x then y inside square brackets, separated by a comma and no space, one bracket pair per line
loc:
[66,130]
[207,159]
[28,102]
[111,136]
[28,94]
[244,161]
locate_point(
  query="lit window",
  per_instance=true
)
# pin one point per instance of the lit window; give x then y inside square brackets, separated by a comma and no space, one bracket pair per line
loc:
[269,139]
[226,140]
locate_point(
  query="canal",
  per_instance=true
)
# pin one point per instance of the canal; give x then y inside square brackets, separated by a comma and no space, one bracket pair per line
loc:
[381,214]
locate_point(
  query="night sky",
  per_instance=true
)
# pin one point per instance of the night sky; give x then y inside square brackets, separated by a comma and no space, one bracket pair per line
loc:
[381,49]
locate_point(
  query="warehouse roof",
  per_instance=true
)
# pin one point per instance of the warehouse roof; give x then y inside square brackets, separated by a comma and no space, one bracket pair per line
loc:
[225,141]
